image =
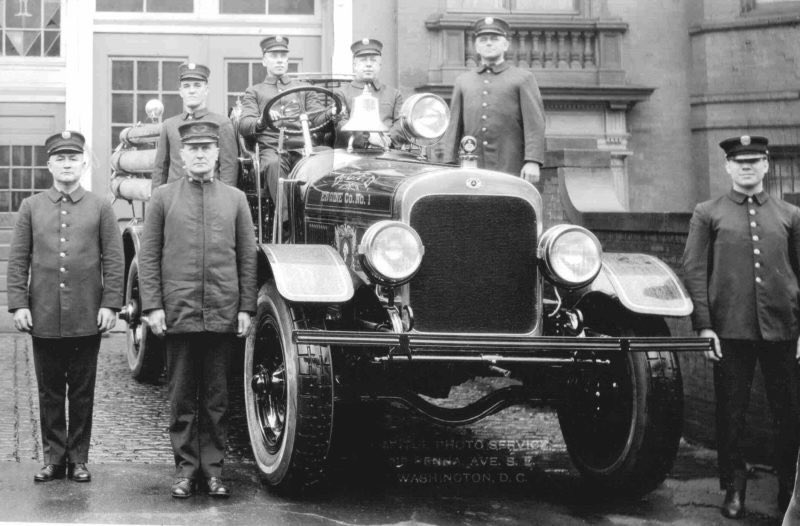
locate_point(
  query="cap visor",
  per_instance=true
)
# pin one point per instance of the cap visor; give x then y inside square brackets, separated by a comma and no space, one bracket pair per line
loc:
[65,149]
[748,155]
[195,76]
[200,140]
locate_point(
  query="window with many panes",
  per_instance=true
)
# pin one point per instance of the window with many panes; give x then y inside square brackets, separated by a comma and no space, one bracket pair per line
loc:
[146,6]
[23,172]
[515,6]
[134,81]
[244,73]
[266,7]
[783,179]
[30,28]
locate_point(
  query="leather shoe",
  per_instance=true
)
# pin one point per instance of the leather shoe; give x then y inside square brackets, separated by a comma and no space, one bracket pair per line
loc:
[182,488]
[50,472]
[217,488]
[733,507]
[79,472]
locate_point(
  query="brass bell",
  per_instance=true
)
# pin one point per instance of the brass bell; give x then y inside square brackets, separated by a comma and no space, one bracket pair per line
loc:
[365,116]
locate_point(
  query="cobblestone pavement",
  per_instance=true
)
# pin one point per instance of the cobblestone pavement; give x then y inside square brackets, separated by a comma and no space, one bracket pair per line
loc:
[388,464]
[131,421]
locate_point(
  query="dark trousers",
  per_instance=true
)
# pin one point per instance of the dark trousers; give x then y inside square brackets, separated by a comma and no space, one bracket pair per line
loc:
[273,167]
[197,366]
[733,378]
[66,369]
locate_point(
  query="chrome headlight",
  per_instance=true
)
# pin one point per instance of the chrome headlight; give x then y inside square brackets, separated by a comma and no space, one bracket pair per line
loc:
[391,252]
[571,256]
[424,118]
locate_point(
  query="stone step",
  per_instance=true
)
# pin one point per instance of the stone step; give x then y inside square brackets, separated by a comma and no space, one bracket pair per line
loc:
[4,250]
[5,236]
[3,282]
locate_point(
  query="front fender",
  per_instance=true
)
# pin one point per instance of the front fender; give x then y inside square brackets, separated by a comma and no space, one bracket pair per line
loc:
[309,273]
[643,284]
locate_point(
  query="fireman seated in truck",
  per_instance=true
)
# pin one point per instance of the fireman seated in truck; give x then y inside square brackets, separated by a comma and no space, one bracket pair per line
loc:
[278,152]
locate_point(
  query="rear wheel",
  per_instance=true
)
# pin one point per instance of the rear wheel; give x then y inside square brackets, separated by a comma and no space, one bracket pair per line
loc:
[144,350]
[622,421]
[288,396]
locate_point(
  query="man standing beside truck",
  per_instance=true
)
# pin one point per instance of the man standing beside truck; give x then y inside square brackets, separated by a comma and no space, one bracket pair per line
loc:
[198,285]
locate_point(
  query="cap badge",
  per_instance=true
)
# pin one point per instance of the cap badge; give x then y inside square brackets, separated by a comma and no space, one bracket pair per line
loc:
[191,65]
[745,140]
[488,20]
[278,38]
[365,41]
[66,135]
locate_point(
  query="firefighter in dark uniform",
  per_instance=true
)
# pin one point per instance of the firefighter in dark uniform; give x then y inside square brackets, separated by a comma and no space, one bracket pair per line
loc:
[500,105]
[198,285]
[64,287]
[367,62]
[193,88]
[741,270]
[276,159]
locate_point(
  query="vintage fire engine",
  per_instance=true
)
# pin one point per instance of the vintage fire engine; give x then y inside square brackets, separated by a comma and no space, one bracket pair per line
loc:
[397,278]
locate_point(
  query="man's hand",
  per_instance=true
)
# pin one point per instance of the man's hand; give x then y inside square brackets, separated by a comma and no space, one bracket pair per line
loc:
[716,354]
[157,320]
[243,326]
[23,321]
[106,319]
[530,172]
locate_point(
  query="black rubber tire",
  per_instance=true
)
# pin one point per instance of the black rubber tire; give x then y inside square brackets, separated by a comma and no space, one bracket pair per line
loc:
[622,423]
[292,455]
[144,350]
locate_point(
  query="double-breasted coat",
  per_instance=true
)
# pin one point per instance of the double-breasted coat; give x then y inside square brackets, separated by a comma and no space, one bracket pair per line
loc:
[198,256]
[70,248]
[168,166]
[502,108]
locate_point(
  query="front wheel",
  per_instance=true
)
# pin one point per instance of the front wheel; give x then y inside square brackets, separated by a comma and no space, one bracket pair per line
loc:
[622,421]
[144,350]
[288,396]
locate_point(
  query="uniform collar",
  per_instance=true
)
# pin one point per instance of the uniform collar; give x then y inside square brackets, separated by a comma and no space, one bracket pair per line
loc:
[494,68]
[270,79]
[374,85]
[197,114]
[192,180]
[76,195]
[739,198]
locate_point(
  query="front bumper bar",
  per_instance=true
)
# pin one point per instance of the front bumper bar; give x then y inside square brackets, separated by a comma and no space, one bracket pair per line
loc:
[494,348]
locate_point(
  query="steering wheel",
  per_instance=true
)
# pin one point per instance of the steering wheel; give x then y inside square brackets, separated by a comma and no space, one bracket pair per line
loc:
[270,124]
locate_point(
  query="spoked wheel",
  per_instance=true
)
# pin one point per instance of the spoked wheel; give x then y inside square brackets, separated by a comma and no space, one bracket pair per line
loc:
[622,421]
[144,350]
[288,397]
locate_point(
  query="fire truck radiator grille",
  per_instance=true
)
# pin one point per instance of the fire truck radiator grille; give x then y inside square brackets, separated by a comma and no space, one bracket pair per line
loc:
[478,273]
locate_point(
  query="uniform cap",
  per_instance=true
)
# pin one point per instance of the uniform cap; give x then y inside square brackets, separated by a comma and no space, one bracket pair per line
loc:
[366,46]
[66,141]
[491,25]
[199,132]
[190,70]
[275,43]
[746,146]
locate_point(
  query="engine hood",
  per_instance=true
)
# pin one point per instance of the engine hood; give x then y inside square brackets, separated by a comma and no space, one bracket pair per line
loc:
[376,185]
